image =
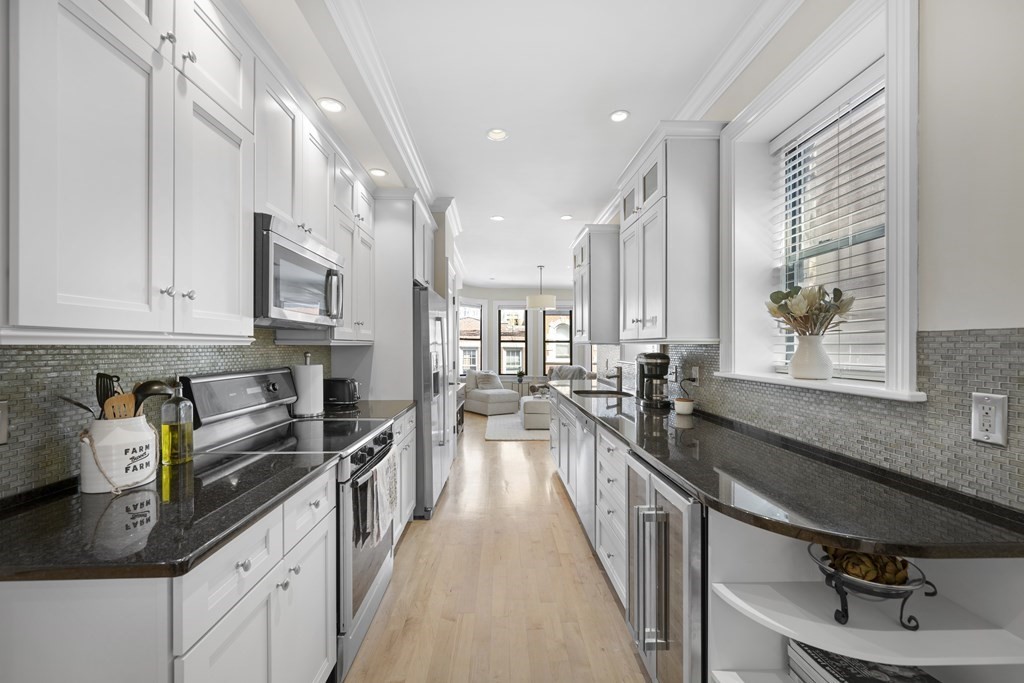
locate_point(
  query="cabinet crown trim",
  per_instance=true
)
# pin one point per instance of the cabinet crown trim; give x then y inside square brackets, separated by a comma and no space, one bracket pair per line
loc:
[666,130]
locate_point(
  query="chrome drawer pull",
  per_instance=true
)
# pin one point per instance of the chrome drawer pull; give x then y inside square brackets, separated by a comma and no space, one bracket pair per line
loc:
[609,555]
[315,504]
[611,481]
[297,569]
[611,512]
[245,565]
[284,585]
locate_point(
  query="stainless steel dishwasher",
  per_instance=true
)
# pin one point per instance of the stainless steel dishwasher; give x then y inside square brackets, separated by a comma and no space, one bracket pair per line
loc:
[584,478]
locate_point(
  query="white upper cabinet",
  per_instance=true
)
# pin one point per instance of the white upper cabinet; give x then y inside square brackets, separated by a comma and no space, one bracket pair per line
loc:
[214,56]
[91,230]
[317,184]
[596,285]
[362,207]
[152,20]
[669,210]
[345,235]
[213,208]
[365,266]
[278,135]
[344,187]
[428,256]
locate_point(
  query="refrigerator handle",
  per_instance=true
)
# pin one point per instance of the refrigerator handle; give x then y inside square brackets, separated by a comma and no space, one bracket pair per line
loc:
[444,392]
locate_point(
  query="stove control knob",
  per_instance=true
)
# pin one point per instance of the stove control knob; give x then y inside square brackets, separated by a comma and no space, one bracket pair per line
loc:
[272,387]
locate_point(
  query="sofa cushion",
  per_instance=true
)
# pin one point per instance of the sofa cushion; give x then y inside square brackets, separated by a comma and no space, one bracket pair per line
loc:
[471,379]
[488,380]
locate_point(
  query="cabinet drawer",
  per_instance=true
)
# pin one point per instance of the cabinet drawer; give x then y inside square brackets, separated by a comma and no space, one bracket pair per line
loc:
[612,453]
[611,549]
[206,593]
[612,475]
[404,426]
[610,508]
[305,509]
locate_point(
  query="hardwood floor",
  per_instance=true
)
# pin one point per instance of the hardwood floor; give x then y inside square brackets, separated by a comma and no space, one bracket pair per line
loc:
[500,585]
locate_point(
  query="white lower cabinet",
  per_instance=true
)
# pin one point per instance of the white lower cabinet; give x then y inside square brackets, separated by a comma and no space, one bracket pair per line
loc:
[284,630]
[405,447]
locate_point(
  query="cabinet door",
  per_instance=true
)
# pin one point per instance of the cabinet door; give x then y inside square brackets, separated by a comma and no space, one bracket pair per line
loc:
[345,245]
[152,21]
[651,180]
[344,187]
[213,233]
[629,283]
[239,648]
[212,53]
[278,135]
[364,294]
[653,281]
[305,646]
[363,207]
[92,144]
[577,309]
[409,477]
[317,188]
[629,205]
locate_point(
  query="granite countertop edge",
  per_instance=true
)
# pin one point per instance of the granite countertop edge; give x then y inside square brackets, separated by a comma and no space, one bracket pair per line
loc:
[182,565]
[986,512]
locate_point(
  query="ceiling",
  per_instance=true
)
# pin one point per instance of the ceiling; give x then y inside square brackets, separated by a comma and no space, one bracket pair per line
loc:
[550,73]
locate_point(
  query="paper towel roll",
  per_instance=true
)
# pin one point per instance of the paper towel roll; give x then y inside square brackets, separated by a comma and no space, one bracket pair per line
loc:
[309,386]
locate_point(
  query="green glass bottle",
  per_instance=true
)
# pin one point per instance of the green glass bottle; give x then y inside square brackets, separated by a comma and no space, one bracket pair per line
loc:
[176,429]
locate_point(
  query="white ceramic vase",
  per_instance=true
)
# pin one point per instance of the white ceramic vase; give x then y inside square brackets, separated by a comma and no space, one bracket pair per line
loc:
[810,361]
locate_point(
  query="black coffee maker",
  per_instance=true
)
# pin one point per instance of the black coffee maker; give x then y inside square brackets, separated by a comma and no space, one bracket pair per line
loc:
[652,380]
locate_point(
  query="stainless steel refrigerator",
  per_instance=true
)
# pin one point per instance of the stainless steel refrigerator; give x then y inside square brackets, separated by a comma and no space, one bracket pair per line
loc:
[430,368]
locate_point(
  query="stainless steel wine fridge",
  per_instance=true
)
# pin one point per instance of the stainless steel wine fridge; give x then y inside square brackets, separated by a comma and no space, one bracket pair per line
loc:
[665,576]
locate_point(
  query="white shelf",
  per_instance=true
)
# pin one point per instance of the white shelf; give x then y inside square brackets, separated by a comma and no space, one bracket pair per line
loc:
[751,677]
[803,610]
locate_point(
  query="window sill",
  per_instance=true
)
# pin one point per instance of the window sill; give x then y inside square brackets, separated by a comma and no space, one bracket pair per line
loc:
[839,386]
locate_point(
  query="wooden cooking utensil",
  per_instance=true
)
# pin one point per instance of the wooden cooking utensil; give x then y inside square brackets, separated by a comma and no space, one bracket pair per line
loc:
[119,406]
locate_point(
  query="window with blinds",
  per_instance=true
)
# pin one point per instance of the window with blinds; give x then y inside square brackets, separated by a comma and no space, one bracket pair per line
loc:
[830,228]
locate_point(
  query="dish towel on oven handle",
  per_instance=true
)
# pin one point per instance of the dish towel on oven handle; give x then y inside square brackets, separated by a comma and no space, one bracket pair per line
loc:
[385,496]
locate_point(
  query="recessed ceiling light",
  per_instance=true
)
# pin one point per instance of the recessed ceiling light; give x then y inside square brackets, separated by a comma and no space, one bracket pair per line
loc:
[567,217]
[497,219]
[497,135]
[330,104]
[378,172]
[619,115]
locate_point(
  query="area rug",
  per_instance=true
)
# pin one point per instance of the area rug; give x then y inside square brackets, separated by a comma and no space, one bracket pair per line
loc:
[510,428]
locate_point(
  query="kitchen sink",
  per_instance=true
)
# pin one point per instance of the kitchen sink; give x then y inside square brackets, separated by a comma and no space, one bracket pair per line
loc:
[602,393]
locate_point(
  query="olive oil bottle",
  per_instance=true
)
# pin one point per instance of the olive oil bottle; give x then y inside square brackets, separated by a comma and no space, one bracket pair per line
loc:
[176,429]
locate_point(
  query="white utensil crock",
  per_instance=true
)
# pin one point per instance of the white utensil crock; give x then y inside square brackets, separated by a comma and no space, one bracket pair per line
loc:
[117,455]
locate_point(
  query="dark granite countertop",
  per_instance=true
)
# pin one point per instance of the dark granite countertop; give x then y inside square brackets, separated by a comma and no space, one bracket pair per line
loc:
[801,491]
[161,529]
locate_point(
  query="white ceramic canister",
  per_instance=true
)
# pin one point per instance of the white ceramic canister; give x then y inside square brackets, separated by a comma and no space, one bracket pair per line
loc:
[117,455]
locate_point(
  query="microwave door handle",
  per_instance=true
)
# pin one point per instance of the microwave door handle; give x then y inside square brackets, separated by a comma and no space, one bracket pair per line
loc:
[330,290]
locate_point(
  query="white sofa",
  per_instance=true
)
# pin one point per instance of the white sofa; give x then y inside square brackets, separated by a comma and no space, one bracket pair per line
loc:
[489,401]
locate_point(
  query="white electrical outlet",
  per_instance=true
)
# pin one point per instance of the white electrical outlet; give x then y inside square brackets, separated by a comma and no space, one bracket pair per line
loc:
[988,418]
[695,375]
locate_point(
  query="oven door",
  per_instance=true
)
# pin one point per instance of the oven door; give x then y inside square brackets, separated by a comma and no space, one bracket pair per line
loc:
[369,549]
[296,286]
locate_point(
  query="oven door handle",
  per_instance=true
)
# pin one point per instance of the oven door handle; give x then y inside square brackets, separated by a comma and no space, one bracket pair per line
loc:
[356,483]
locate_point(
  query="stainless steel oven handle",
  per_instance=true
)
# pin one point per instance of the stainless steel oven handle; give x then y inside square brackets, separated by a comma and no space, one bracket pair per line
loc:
[371,467]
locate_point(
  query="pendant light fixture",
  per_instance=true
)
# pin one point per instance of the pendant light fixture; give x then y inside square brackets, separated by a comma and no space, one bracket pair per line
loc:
[545,302]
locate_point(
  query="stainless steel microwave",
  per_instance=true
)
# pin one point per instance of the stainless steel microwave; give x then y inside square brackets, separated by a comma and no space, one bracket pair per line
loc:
[298,285]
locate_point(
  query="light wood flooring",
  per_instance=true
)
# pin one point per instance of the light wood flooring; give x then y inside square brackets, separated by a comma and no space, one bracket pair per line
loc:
[500,585]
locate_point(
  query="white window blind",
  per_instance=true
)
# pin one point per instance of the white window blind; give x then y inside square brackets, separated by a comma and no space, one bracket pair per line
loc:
[829,228]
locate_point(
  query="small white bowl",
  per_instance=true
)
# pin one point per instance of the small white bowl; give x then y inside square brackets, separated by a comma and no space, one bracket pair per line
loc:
[684,406]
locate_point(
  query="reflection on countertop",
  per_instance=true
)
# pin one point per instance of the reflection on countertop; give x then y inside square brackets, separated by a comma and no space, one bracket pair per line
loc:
[802,491]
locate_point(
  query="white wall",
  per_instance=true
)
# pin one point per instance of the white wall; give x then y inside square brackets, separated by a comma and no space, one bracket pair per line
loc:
[971,161]
[971,152]
[495,297]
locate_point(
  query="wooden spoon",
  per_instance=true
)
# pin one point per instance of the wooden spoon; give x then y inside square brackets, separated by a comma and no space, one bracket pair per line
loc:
[119,406]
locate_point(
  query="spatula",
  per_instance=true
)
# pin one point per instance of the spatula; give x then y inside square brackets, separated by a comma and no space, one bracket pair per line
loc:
[119,406]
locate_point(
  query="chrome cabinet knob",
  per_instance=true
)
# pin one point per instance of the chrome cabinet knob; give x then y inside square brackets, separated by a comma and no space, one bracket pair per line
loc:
[285,585]
[245,565]
[189,56]
[169,37]
[297,569]
[611,481]
[609,555]
[315,504]
[169,291]
[190,295]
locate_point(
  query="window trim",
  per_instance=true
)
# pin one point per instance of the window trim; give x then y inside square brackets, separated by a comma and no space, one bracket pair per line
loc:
[544,337]
[869,29]
[526,337]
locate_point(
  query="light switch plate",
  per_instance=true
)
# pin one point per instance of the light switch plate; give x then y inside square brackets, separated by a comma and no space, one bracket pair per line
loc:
[5,432]
[988,418]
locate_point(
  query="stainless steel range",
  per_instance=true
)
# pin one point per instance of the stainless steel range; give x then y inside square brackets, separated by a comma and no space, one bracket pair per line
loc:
[242,418]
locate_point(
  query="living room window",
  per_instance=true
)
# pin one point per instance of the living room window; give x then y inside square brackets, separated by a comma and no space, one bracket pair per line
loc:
[557,339]
[470,338]
[829,226]
[512,330]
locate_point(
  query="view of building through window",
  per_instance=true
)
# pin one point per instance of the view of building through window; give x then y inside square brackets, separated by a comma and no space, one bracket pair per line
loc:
[469,338]
[557,339]
[511,341]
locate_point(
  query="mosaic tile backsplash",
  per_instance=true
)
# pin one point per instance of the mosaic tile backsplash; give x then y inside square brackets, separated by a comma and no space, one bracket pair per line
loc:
[43,444]
[928,440]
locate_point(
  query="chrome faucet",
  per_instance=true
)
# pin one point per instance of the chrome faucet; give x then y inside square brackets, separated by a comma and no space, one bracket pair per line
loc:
[617,376]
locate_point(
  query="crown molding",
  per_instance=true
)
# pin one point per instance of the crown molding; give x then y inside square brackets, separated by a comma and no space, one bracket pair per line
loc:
[354,29]
[447,206]
[760,27]
[609,214]
[666,130]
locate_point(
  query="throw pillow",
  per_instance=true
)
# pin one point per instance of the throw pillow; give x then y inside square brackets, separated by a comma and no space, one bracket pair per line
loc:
[488,380]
